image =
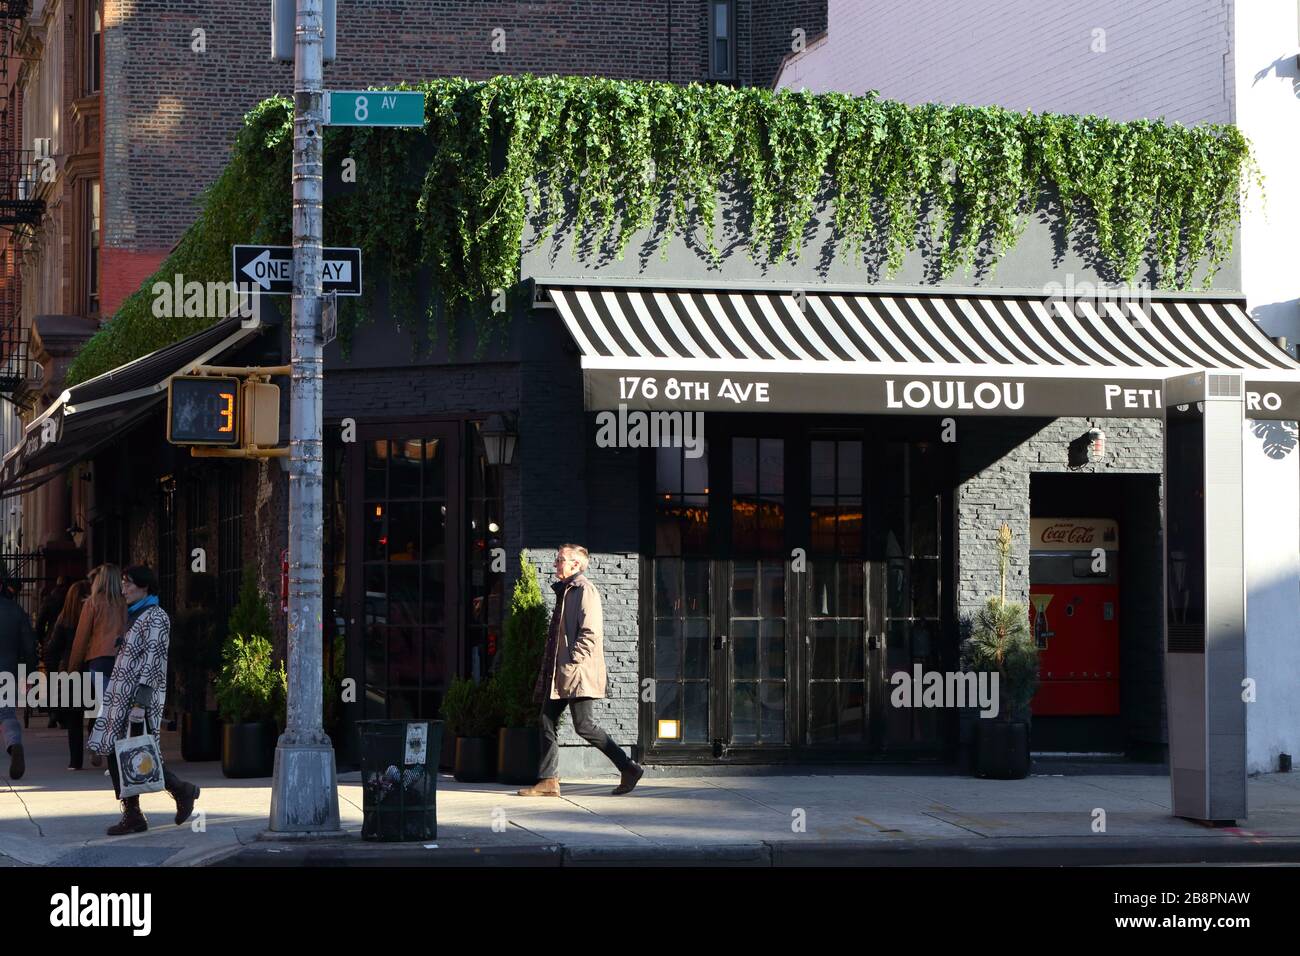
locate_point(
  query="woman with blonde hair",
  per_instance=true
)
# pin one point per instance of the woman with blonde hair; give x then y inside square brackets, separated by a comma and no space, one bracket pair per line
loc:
[58,650]
[100,631]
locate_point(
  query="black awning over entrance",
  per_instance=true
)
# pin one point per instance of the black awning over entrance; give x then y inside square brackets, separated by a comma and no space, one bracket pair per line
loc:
[95,413]
[912,354]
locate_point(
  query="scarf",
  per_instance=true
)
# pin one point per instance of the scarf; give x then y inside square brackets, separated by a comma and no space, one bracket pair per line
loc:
[135,610]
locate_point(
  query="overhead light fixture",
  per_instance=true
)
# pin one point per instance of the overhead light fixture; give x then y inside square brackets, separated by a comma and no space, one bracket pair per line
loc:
[499,440]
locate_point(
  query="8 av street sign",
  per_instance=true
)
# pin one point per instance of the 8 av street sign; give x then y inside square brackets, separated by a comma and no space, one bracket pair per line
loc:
[374,108]
[270,269]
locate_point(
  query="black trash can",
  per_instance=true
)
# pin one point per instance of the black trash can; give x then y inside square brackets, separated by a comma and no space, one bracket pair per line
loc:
[399,779]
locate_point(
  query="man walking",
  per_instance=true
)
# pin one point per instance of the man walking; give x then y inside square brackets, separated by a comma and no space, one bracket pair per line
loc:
[17,643]
[573,673]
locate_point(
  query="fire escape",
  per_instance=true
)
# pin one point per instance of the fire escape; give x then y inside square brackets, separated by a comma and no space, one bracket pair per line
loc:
[20,208]
[20,212]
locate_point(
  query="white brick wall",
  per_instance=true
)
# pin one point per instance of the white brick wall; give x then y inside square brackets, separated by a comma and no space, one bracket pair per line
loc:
[1162,58]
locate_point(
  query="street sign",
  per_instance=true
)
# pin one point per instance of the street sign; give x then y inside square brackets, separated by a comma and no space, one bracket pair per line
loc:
[270,269]
[374,108]
[203,410]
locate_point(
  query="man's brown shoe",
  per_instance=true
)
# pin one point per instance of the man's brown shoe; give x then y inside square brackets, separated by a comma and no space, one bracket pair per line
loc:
[630,777]
[546,787]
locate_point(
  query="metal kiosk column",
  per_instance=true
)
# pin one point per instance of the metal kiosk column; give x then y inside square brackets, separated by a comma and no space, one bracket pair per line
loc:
[1205,595]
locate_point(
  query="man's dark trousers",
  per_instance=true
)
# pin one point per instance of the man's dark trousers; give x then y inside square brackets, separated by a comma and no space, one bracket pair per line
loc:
[580,708]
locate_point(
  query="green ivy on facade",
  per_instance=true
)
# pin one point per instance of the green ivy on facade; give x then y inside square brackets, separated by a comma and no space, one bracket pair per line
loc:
[454,197]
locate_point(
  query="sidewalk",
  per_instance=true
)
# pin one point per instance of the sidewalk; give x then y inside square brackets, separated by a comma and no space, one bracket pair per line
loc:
[57,817]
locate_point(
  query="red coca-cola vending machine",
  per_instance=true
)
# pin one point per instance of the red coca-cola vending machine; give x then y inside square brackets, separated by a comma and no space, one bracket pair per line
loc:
[1074,609]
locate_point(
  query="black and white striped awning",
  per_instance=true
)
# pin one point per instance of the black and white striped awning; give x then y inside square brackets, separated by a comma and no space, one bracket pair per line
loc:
[920,354]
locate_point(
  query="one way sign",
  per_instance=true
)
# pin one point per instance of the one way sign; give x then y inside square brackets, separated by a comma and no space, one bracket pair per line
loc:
[270,269]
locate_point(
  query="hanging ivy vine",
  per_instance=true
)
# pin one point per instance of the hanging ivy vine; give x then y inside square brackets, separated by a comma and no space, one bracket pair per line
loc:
[608,159]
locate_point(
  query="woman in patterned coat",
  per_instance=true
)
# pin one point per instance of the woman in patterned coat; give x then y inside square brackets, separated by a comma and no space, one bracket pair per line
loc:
[136,693]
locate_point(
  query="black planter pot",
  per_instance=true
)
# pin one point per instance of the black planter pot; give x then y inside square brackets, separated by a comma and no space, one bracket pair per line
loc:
[1002,749]
[201,736]
[476,759]
[248,750]
[519,754]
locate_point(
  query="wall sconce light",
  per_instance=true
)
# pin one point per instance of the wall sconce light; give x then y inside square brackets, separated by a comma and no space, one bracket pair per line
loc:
[499,440]
[1096,445]
[1088,449]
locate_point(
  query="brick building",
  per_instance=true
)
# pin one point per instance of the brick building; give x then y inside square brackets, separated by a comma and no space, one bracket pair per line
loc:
[849,460]
[175,80]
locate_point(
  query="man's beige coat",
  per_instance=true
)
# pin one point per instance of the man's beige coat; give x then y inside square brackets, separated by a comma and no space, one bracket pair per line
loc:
[574,661]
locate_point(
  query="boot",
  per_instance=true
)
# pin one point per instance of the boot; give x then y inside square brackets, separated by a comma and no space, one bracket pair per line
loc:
[546,787]
[185,797]
[17,762]
[630,777]
[132,821]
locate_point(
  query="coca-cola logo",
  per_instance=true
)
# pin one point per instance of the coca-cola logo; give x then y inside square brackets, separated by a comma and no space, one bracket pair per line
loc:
[1069,534]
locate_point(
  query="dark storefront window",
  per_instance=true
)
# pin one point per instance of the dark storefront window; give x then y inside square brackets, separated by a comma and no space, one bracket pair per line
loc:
[757,495]
[109,540]
[682,650]
[404,575]
[230,533]
[757,619]
[838,675]
[485,559]
[681,502]
[912,487]
[167,545]
[784,598]
[682,600]
[334,594]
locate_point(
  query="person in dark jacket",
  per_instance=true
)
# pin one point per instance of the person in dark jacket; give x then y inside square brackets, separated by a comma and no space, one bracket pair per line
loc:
[17,645]
[137,691]
[52,599]
[58,651]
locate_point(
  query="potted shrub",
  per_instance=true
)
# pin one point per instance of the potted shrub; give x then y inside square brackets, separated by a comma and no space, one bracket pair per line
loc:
[472,711]
[197,657]
[519,743]
[251,688]
[250,692]
[1001,643]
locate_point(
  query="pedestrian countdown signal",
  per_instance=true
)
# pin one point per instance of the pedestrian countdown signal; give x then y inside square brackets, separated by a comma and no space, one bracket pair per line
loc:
[203,410]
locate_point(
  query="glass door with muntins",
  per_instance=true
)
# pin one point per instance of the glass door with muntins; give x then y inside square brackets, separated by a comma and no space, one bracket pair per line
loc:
[752,650]
[838,680]
[675,705]
[404,595]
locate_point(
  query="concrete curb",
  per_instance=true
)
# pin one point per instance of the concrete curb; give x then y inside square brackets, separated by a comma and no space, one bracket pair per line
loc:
[1016,851]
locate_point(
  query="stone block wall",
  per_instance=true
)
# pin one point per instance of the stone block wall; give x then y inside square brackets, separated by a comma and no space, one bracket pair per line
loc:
[996,459]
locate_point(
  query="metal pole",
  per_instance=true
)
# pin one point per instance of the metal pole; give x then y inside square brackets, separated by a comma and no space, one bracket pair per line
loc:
[304,790]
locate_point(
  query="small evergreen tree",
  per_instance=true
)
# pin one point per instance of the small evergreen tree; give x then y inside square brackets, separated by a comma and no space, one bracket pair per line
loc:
[249,616]
[1001,642]
[251,686]
[525,640]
